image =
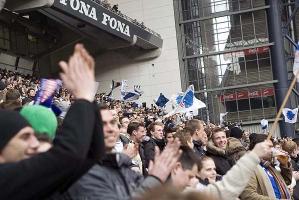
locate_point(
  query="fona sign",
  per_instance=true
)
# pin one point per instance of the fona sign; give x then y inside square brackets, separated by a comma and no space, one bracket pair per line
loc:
[91,12]
[116,24]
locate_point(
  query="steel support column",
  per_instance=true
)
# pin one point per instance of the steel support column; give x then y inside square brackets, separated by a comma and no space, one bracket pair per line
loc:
[278,60]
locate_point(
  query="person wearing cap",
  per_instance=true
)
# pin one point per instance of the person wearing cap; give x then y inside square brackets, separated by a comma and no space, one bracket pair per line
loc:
[79,140]
[17,140]
[44,124]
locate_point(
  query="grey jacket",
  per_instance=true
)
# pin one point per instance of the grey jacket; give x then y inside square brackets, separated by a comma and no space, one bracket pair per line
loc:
[111,179]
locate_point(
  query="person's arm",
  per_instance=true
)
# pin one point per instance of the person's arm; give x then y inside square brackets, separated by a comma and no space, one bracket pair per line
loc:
[40,176]
[237,178]
[43,174]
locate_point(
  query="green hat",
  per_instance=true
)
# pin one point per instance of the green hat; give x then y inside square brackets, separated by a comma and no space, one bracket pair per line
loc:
[42,119]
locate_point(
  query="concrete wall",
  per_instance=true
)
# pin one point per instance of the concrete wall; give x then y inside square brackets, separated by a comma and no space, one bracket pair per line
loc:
[161,74]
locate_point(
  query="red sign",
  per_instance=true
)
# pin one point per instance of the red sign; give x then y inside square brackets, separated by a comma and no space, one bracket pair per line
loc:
[258,50]
[247,94]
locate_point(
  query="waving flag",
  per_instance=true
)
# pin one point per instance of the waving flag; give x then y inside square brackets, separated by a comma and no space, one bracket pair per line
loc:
[161,101]
[296,62]
[114,85]
[290,116]
[264,124]
[130,95]
[222,115]
[187,102]
[46,92]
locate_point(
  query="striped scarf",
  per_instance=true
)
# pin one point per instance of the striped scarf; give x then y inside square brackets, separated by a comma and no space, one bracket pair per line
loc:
[284,192]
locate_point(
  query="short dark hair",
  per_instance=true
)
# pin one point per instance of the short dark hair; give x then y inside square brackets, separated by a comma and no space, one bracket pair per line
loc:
[257,138]
[28,91]
[102,106]
[201,160]
[192,125]
[151,127]
[188,158]
[133,126]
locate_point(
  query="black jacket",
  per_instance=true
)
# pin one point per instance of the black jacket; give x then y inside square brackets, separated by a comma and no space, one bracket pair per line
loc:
[149,150]
[44,174]
[225,159]
[198,148]
[111,179]
[295,166]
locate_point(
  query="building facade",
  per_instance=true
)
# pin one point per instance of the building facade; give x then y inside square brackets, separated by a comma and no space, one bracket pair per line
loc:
[225,52]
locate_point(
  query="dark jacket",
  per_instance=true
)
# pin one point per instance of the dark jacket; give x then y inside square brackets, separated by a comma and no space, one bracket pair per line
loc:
[149,150]
[111,179]
[198,148]
[44,174]
[225,159]
[295,166]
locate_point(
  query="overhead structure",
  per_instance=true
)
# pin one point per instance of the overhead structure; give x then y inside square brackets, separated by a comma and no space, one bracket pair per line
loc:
[91,19]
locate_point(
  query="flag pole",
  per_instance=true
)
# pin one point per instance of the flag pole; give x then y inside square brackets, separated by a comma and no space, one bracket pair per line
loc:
[283,105]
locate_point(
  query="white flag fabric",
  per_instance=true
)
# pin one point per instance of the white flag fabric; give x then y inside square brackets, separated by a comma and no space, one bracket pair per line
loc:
[130,95]
[264,124]
[186,102]
[222,115]
[296,62]
[290,115]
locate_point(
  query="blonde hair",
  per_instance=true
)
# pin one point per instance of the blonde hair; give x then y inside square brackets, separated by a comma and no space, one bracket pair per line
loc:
[289,146]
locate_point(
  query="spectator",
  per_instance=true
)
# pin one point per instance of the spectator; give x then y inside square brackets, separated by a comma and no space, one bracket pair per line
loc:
[267,182]
[44,123]
[136,130]
[185,138]
[198,134]
[30,96]
[291,148]
[112,177]
[62,163]
[206,172]
[12,100]
[156,140]
[224,151]
[234,182]
[169,134]
[185,169]
[295,165]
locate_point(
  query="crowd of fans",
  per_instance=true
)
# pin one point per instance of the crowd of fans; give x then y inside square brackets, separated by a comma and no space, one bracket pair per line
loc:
[103,149]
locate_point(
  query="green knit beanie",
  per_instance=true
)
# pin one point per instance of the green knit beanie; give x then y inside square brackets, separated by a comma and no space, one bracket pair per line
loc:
[42,119]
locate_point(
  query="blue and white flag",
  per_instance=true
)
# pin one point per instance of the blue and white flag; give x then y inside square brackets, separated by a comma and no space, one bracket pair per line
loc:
[127,95]
[161,101]
[290,116]
[187,102]
[44,96]
[114,85]
[296,62]
[46,92]
[264,124]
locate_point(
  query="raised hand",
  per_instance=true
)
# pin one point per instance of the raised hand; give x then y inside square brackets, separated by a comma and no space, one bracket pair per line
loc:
[263,149]
[78,74]
[164,162]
